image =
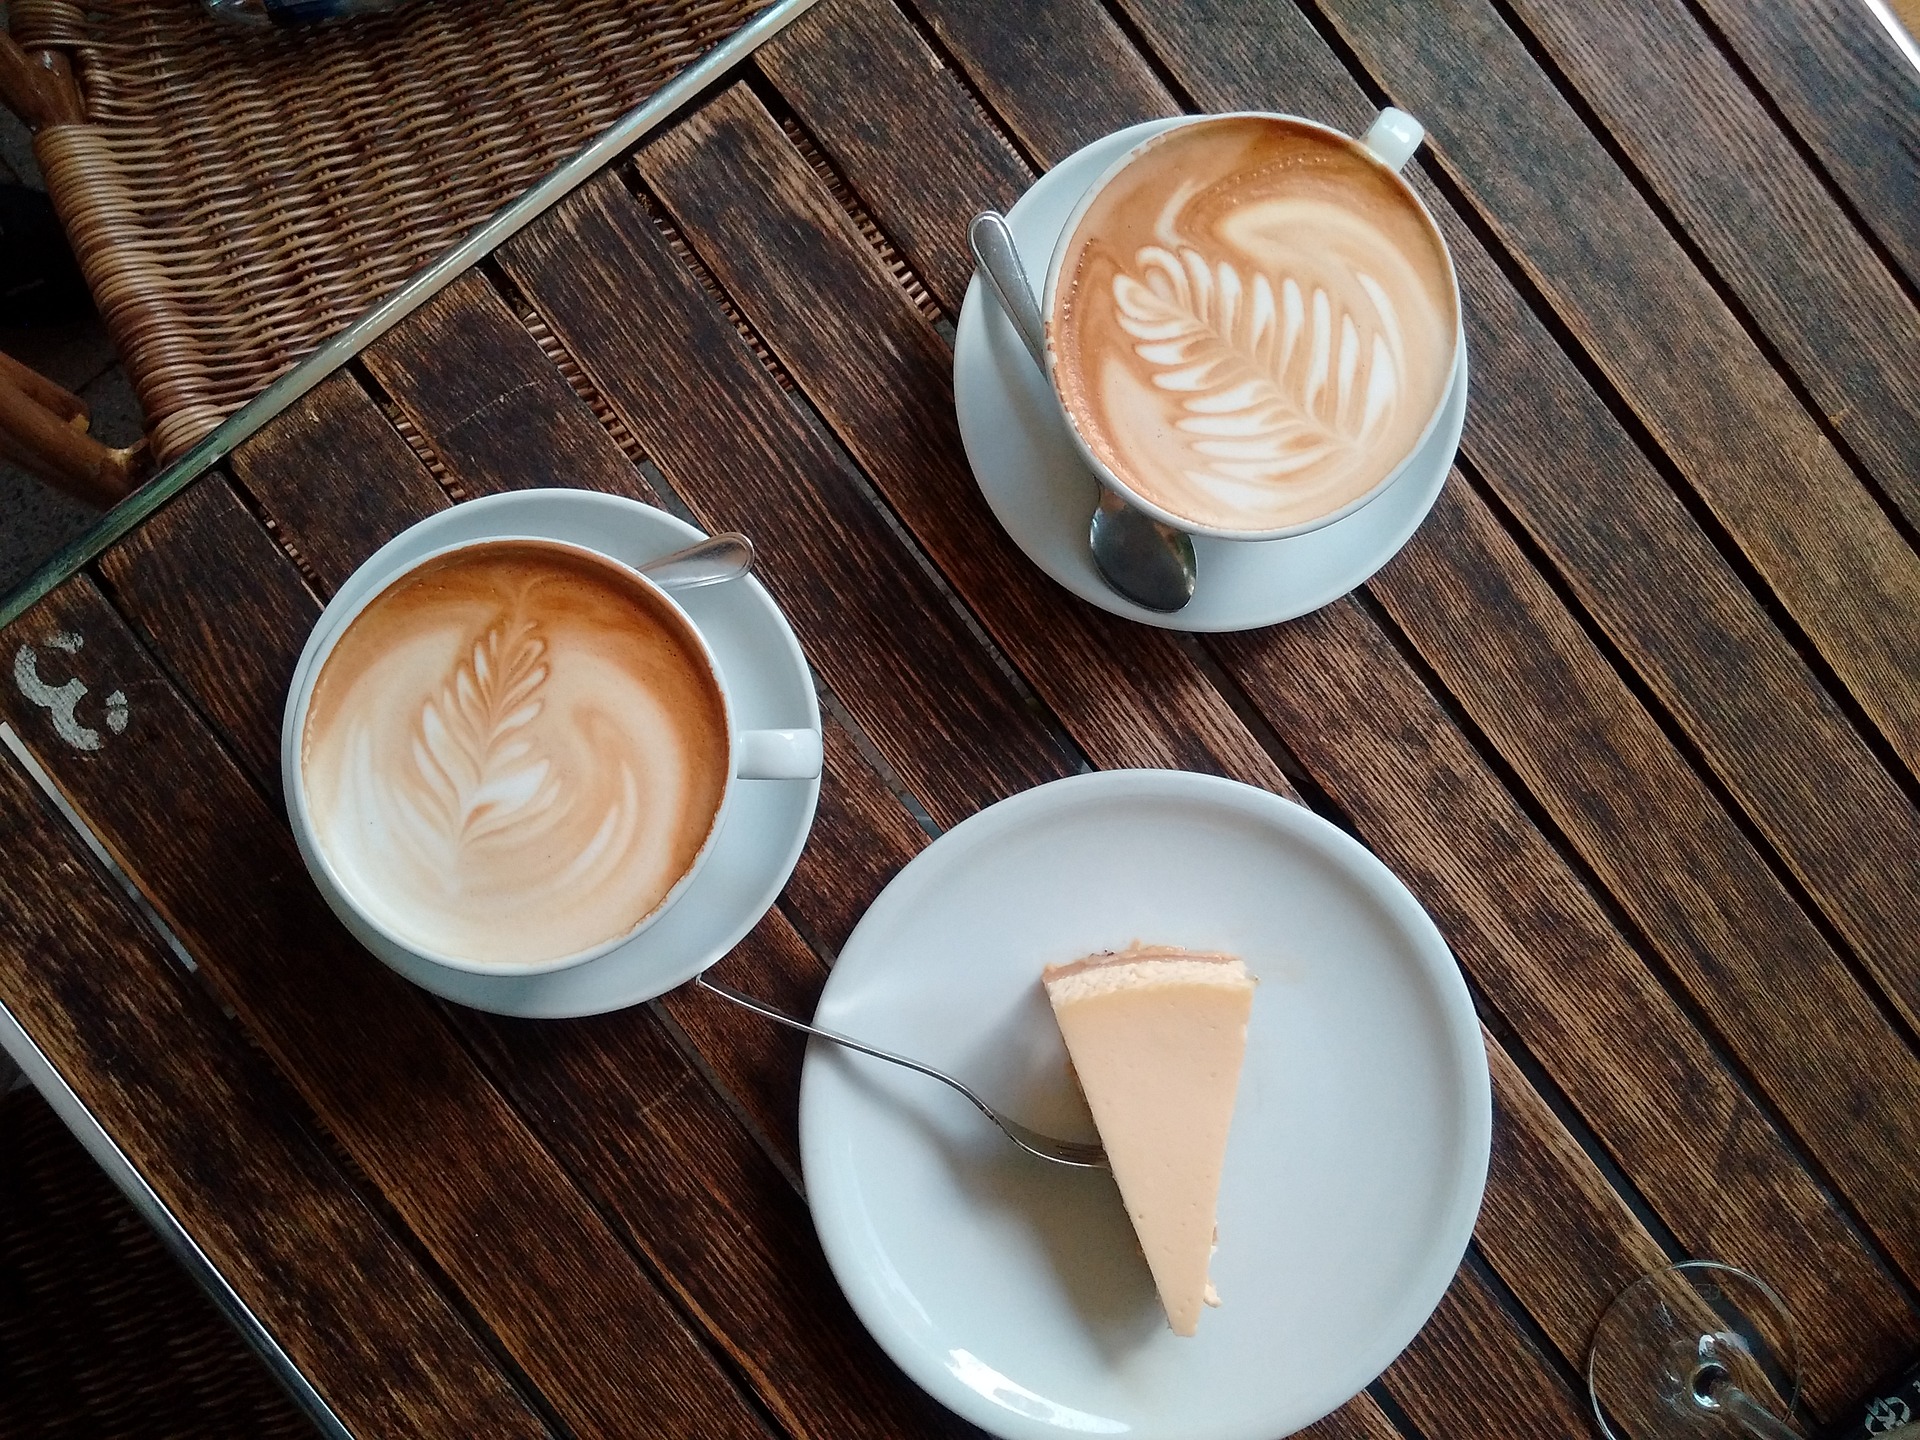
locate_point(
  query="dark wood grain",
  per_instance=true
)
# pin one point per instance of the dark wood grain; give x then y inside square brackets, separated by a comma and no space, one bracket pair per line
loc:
[160,573]
[1669,98]
[1473,1372]
[1550,1224]
[370,475]
[364,1049]
[1548,961]
[1759,970]
[881,375]
[212,1130]
[898,74]
[465,371]
[1062,76]
[1358,1419]
[1833,70]
[872,620]
[1072,60]
[863,834]
[1545,443]
[1666,342]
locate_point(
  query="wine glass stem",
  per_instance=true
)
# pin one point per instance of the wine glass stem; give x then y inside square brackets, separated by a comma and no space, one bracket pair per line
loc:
[1752,1416]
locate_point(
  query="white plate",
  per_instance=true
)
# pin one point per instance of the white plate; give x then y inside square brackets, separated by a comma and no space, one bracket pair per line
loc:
[1043,493]
[761,841]
[1013,1290]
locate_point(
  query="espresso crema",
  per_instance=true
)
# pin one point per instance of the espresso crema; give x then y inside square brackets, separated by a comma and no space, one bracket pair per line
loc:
[1254,323]
[514,753]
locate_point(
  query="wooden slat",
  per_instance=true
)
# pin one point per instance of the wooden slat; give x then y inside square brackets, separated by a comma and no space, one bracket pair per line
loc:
[1666,342]
[1022,83]
[1471,1372]
[1550,1220]
[881,374]
[1051,107]
[1547,959]
[444,369]
[1669,98]
[160,571]
[365,1050]
[871,619]
[1835,73]
[1544,442]
[212,1130]
[837,879]
[369,468]
[628,1113]
[811,62]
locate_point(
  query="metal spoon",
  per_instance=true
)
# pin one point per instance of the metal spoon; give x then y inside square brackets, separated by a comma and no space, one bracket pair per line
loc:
[1062,1152]
[1143,560]
[718,558]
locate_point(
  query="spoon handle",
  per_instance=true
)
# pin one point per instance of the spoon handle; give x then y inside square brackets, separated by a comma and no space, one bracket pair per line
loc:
[997,260]
[711,561]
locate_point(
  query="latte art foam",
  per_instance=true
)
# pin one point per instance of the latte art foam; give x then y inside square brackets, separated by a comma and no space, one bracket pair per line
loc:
[513,754]
[1254,323]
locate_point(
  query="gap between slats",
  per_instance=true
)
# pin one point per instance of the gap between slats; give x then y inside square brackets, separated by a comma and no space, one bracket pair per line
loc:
[1628,419]
[1721,286]
[352,1176]
[1809,156]
[1641,945]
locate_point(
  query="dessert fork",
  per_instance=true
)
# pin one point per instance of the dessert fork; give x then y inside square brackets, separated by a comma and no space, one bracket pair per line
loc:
[1062,1152]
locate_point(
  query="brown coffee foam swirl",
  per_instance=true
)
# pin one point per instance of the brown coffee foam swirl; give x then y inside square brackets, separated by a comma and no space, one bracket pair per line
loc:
[1253,324]
[513,754]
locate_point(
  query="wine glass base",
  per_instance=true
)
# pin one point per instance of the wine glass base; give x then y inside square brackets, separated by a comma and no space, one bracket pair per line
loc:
[1679,1349]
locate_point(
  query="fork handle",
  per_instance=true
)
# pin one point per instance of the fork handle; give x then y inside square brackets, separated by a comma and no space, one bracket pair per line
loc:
[780,1017]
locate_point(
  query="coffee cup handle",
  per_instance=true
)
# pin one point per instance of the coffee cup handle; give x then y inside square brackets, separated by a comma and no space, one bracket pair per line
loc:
[776,754]
[1393,137]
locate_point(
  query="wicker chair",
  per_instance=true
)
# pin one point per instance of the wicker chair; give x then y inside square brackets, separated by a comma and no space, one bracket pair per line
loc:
[236,197]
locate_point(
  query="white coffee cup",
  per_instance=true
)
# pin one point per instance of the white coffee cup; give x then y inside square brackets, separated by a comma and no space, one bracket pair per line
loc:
[754,754]
[1391,141]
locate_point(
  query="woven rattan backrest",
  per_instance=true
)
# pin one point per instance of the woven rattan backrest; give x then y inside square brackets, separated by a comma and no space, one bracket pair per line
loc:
[236,197]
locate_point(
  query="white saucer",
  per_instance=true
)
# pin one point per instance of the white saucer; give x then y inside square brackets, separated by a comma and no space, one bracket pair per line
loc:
[1013,1290]
[1043,493]
[761,841]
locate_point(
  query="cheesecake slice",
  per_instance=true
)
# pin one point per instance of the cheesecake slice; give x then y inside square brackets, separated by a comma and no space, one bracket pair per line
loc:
[1156,1036]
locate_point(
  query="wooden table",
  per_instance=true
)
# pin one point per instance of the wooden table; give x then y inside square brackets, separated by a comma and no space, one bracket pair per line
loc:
[1636,714]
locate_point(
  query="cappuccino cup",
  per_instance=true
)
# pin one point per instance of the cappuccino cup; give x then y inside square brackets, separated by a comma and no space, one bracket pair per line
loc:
[515,756]
[1252,322]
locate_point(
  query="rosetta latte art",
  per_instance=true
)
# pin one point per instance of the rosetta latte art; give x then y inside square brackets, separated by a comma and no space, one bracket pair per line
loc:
[480,772]
[511,760]
[1253,324]
[1269,387]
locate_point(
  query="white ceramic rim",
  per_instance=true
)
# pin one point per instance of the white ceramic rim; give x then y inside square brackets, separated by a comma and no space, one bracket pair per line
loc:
[327,633]
[1112,479]
[836,1225]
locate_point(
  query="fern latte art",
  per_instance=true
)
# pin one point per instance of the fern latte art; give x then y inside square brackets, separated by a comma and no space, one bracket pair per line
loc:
[1253,323]
[514,753]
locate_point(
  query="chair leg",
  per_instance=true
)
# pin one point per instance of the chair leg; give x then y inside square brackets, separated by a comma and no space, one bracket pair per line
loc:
[44,430]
